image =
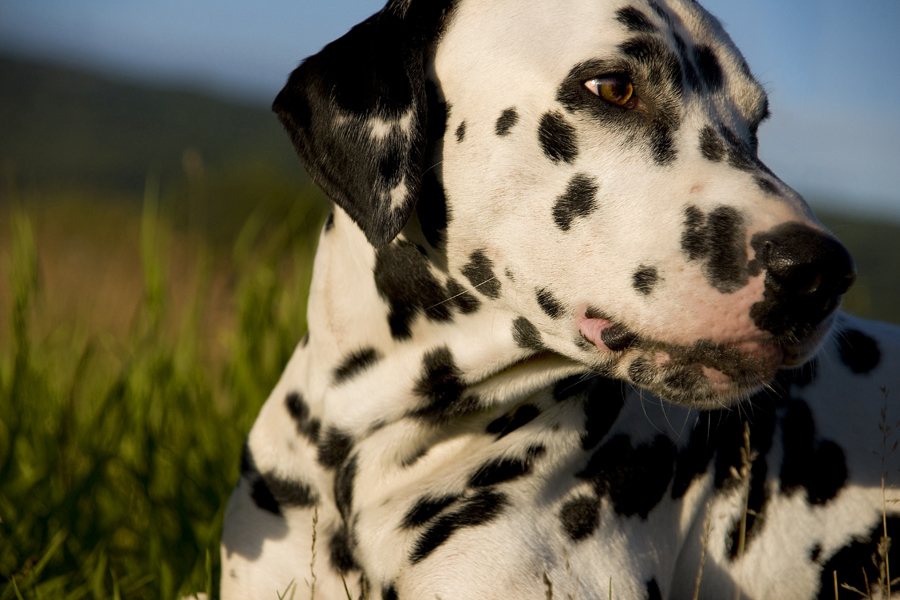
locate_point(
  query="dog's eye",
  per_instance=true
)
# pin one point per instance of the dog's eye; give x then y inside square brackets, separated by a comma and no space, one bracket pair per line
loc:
[615,90]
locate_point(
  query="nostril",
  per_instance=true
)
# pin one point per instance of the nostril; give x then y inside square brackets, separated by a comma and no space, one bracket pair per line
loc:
[807,270]
[808,283]
[846,282]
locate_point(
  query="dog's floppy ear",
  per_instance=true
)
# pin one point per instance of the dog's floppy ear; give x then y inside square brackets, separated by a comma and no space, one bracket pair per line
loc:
[356,113]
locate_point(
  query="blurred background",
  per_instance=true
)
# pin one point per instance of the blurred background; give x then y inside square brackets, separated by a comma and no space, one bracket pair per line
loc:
[156,232]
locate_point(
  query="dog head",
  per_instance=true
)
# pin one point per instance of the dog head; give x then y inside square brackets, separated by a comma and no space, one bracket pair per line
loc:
[590,167]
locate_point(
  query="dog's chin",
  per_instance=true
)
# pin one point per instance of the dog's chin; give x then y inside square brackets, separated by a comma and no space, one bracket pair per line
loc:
[705,375]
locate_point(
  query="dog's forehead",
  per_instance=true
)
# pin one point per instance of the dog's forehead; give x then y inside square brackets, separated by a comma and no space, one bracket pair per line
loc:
[497,44]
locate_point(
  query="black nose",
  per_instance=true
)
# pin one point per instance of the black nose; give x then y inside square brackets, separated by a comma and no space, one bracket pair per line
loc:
[806,274]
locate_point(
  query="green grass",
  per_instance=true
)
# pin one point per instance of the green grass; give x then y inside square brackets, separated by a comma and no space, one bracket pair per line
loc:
[117,455]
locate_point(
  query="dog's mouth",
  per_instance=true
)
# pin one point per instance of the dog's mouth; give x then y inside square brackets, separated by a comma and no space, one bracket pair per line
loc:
[704,374]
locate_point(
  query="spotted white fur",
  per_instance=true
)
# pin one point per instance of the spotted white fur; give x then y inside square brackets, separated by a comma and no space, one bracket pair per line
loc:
[513,267]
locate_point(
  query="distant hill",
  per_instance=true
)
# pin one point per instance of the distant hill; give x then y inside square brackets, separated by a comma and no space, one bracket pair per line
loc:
[59,126]
[875,246]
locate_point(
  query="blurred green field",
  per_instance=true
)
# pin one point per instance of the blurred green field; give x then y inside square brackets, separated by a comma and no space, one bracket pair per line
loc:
[123,412]
[144,319]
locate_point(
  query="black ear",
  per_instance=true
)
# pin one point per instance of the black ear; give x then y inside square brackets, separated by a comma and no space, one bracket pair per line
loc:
[356,112]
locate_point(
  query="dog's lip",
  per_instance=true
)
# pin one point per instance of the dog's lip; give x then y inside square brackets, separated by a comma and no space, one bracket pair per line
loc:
[592,329]
[767,352]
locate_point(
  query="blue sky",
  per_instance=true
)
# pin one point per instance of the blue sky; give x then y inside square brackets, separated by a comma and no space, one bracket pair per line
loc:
[832,67]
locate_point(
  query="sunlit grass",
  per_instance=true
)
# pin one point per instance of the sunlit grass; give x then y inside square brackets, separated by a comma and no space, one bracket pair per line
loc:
[118,453]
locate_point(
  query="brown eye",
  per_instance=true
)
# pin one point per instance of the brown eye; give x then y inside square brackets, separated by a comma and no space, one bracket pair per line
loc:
[615,90]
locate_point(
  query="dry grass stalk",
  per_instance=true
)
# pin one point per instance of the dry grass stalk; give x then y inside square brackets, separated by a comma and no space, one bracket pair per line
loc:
[312,560]
[704,541]
[748,455]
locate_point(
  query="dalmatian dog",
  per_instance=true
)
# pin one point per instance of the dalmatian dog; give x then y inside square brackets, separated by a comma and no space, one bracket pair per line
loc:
[568,336]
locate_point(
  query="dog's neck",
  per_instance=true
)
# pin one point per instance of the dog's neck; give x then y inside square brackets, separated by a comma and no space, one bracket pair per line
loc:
[350,325]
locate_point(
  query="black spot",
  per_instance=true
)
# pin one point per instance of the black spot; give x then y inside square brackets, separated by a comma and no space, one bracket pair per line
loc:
[809,462]
[343,487]
[602,406]
[663,66]
[440,379]
[464,301]
[662,143]
[263,497]
[389,592]
[289,493]
[858,351]
[549,304]
[510,422]
[248,466]
[644,279]
[711,145]
[684,378]
[617,337]
[404,280]
[334,448]
[592,312]
[720,239]
[578,201]
[425,509]
[526,335]
[270,492]
[695,238]
[304,340]
[859,556]
[653,592]
[634,478]
[329,221]
[766,186]
[687,64]
[341,544]
[480,273]
[501,470]
[507,119]
[726,266]
[740,154]
[634,20]
[482,508]
[355,363]
[580,516]
[557,138]
[442,388]
[815,552]
[461,132]
[640,371]
[411,459]
[708,66]
[299,411]
[662,14]
[434,214]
